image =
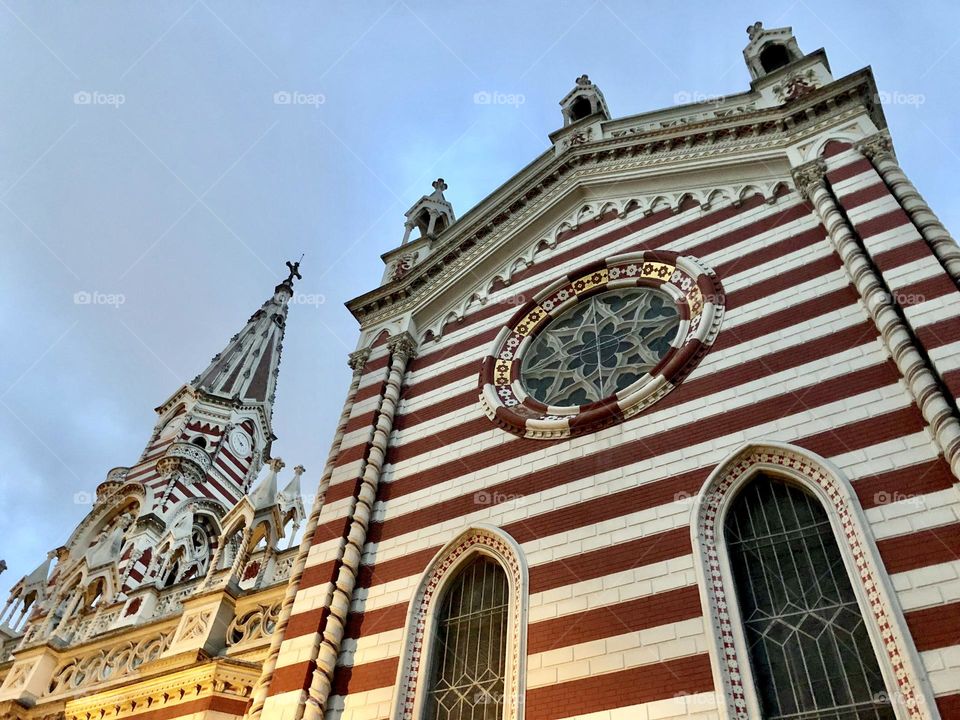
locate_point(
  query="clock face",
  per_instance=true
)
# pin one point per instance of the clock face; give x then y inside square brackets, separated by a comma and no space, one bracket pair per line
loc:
[170,429]
[240,442]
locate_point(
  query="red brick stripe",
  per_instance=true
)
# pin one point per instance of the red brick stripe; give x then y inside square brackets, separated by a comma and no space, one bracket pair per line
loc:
[882,223]
[292,677]
[921,548]
[609,560]
[864,195]
[951,379]
[643,684]
[935,627]
[942,332]
[902,255]
[645,612]
[949,706]
[851,170]
[369,676]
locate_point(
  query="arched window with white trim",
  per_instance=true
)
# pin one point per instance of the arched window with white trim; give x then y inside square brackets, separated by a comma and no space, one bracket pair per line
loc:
[802,619]
[466,633]
[466,680]
[808,644]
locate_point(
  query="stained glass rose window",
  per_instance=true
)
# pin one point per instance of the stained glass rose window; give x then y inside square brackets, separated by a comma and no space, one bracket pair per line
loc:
[600,346]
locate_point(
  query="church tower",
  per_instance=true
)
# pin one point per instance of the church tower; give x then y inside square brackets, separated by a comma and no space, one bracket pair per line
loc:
[186,518]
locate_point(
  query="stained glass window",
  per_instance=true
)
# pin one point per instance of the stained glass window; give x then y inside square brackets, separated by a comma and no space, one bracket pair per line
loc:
[469,646]
[600,346]
[808,644]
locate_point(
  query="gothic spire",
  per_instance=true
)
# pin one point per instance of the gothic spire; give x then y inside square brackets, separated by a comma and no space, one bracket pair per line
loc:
[247,369]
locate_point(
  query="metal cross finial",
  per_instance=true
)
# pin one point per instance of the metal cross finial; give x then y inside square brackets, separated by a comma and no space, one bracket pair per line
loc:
[294,271]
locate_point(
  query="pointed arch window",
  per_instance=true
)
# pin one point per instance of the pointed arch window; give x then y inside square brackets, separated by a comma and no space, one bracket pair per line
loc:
[808,644]
[464,656]
[803,623]
[469,645]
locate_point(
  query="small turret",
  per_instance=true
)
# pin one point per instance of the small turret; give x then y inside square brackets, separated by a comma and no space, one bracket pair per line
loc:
[769,50]
[28,593]
[431,214]
[258,519]
[583,101]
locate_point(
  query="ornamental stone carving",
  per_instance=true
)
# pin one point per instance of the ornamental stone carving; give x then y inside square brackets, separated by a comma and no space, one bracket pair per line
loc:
[807,176]
[187,458]
[108,663]
[254,624]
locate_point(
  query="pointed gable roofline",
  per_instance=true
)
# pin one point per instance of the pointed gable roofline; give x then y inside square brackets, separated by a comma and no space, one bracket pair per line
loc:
[634,140]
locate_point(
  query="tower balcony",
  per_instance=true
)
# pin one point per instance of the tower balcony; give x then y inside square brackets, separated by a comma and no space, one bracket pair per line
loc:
[184,457]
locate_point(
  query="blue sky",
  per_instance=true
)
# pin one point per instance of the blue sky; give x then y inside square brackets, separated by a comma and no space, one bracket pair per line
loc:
[147,157]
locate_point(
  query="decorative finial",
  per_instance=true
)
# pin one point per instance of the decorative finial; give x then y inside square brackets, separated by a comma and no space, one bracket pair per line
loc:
[299,470]
[583,80]
[276,464]
[439,185]
[294,271]
[754,30]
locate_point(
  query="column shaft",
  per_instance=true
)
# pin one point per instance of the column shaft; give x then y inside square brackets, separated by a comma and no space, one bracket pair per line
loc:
[401,348]
[259,695]
[920,381]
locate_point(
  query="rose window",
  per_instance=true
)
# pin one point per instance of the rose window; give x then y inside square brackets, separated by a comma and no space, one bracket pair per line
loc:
[601,345]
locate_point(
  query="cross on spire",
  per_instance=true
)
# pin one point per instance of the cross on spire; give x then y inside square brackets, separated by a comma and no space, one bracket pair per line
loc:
[294,271]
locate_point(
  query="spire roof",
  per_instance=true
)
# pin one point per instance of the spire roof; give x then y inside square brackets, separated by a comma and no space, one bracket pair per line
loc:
[264,495]
[247,369]
[39,576]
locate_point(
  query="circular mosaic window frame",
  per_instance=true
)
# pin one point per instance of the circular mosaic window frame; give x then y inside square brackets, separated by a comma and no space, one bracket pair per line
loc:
[700,301]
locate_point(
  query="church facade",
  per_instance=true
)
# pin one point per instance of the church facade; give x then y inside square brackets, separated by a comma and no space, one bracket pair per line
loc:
[664,427]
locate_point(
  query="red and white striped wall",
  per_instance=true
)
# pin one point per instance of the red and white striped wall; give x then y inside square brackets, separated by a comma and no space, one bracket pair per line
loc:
[615,627]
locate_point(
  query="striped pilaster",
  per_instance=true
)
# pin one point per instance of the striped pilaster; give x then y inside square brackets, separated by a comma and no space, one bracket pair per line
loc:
[308,666]
[922,384]
[878,149]
[358,361]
